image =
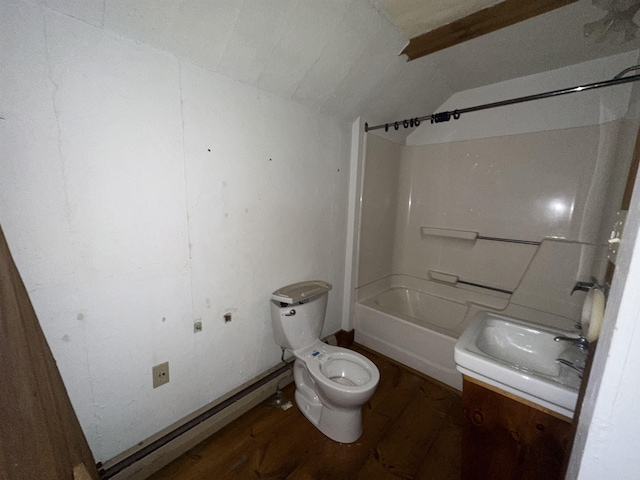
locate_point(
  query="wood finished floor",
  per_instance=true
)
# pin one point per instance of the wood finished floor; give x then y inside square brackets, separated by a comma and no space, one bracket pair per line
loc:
[412,430]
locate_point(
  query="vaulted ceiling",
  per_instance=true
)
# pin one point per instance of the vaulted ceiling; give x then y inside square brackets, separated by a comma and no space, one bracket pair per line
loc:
[342,57]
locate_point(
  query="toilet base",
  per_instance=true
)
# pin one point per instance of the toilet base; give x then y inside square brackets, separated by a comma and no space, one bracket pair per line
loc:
[334,407]
[340,425]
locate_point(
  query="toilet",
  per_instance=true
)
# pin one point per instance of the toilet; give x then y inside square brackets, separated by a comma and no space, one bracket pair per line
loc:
[332,383]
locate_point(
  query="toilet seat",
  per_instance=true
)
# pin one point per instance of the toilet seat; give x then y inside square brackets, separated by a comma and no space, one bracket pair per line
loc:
[339,369]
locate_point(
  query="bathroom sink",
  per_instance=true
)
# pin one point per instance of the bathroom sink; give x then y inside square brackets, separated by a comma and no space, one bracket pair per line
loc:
[520,358]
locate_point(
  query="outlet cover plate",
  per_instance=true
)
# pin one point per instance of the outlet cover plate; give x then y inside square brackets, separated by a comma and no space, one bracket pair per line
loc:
[160,374]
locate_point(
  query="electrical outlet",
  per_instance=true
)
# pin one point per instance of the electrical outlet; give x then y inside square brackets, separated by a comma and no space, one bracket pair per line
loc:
[160,374]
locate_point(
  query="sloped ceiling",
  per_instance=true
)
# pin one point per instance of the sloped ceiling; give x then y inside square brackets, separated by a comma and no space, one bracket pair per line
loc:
[341,57]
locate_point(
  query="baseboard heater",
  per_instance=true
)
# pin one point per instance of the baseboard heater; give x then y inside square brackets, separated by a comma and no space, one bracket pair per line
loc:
[158,451]
[149,456]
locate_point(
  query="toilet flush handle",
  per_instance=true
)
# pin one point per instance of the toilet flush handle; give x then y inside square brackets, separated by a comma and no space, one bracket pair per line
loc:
[290,313]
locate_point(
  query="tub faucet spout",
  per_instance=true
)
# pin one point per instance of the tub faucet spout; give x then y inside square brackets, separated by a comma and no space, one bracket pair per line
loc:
[580,341]
[582,286]
[571,365]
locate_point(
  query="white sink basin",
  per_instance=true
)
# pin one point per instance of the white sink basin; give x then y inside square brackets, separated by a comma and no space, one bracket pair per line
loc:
[520,357]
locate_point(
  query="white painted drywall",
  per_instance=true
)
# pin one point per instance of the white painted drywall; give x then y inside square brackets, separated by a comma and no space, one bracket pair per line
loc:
[140,193]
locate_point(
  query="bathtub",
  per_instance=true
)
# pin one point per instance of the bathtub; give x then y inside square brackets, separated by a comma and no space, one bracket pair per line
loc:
[417,322]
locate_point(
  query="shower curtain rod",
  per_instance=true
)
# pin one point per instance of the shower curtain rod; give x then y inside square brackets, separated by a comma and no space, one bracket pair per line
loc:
[455,114]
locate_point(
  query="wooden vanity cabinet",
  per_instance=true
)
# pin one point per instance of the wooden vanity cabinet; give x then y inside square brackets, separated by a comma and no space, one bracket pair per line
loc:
[506,437]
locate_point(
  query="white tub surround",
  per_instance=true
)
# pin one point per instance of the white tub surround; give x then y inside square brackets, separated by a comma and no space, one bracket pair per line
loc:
[436,212]
[417,322]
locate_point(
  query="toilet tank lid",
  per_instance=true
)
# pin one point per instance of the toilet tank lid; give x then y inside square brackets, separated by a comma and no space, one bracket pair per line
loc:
[300,291]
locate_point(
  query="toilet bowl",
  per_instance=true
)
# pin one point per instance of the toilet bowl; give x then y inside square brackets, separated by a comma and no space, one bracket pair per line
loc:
[332,383]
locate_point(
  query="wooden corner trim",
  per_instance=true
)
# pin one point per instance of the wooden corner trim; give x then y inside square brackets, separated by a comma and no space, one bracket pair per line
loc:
[484,21]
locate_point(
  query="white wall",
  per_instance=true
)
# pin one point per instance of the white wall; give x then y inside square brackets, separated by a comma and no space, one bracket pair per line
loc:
[140,193]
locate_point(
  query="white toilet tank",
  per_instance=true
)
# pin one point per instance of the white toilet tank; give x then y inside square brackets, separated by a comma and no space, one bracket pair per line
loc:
[297,313]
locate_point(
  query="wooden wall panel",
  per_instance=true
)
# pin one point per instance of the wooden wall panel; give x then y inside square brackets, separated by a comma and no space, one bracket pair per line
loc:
[40,435]
[505,439]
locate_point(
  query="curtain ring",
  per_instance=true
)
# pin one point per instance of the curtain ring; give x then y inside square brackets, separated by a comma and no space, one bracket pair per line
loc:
[396,126]
[456,114]
[417,122]
[405,124]
[386,127]
[411,122]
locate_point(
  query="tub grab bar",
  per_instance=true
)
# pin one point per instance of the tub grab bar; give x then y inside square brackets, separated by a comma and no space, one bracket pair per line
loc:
[509,240]
[453,280]
[449,233]
[495,289]
[469,235]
